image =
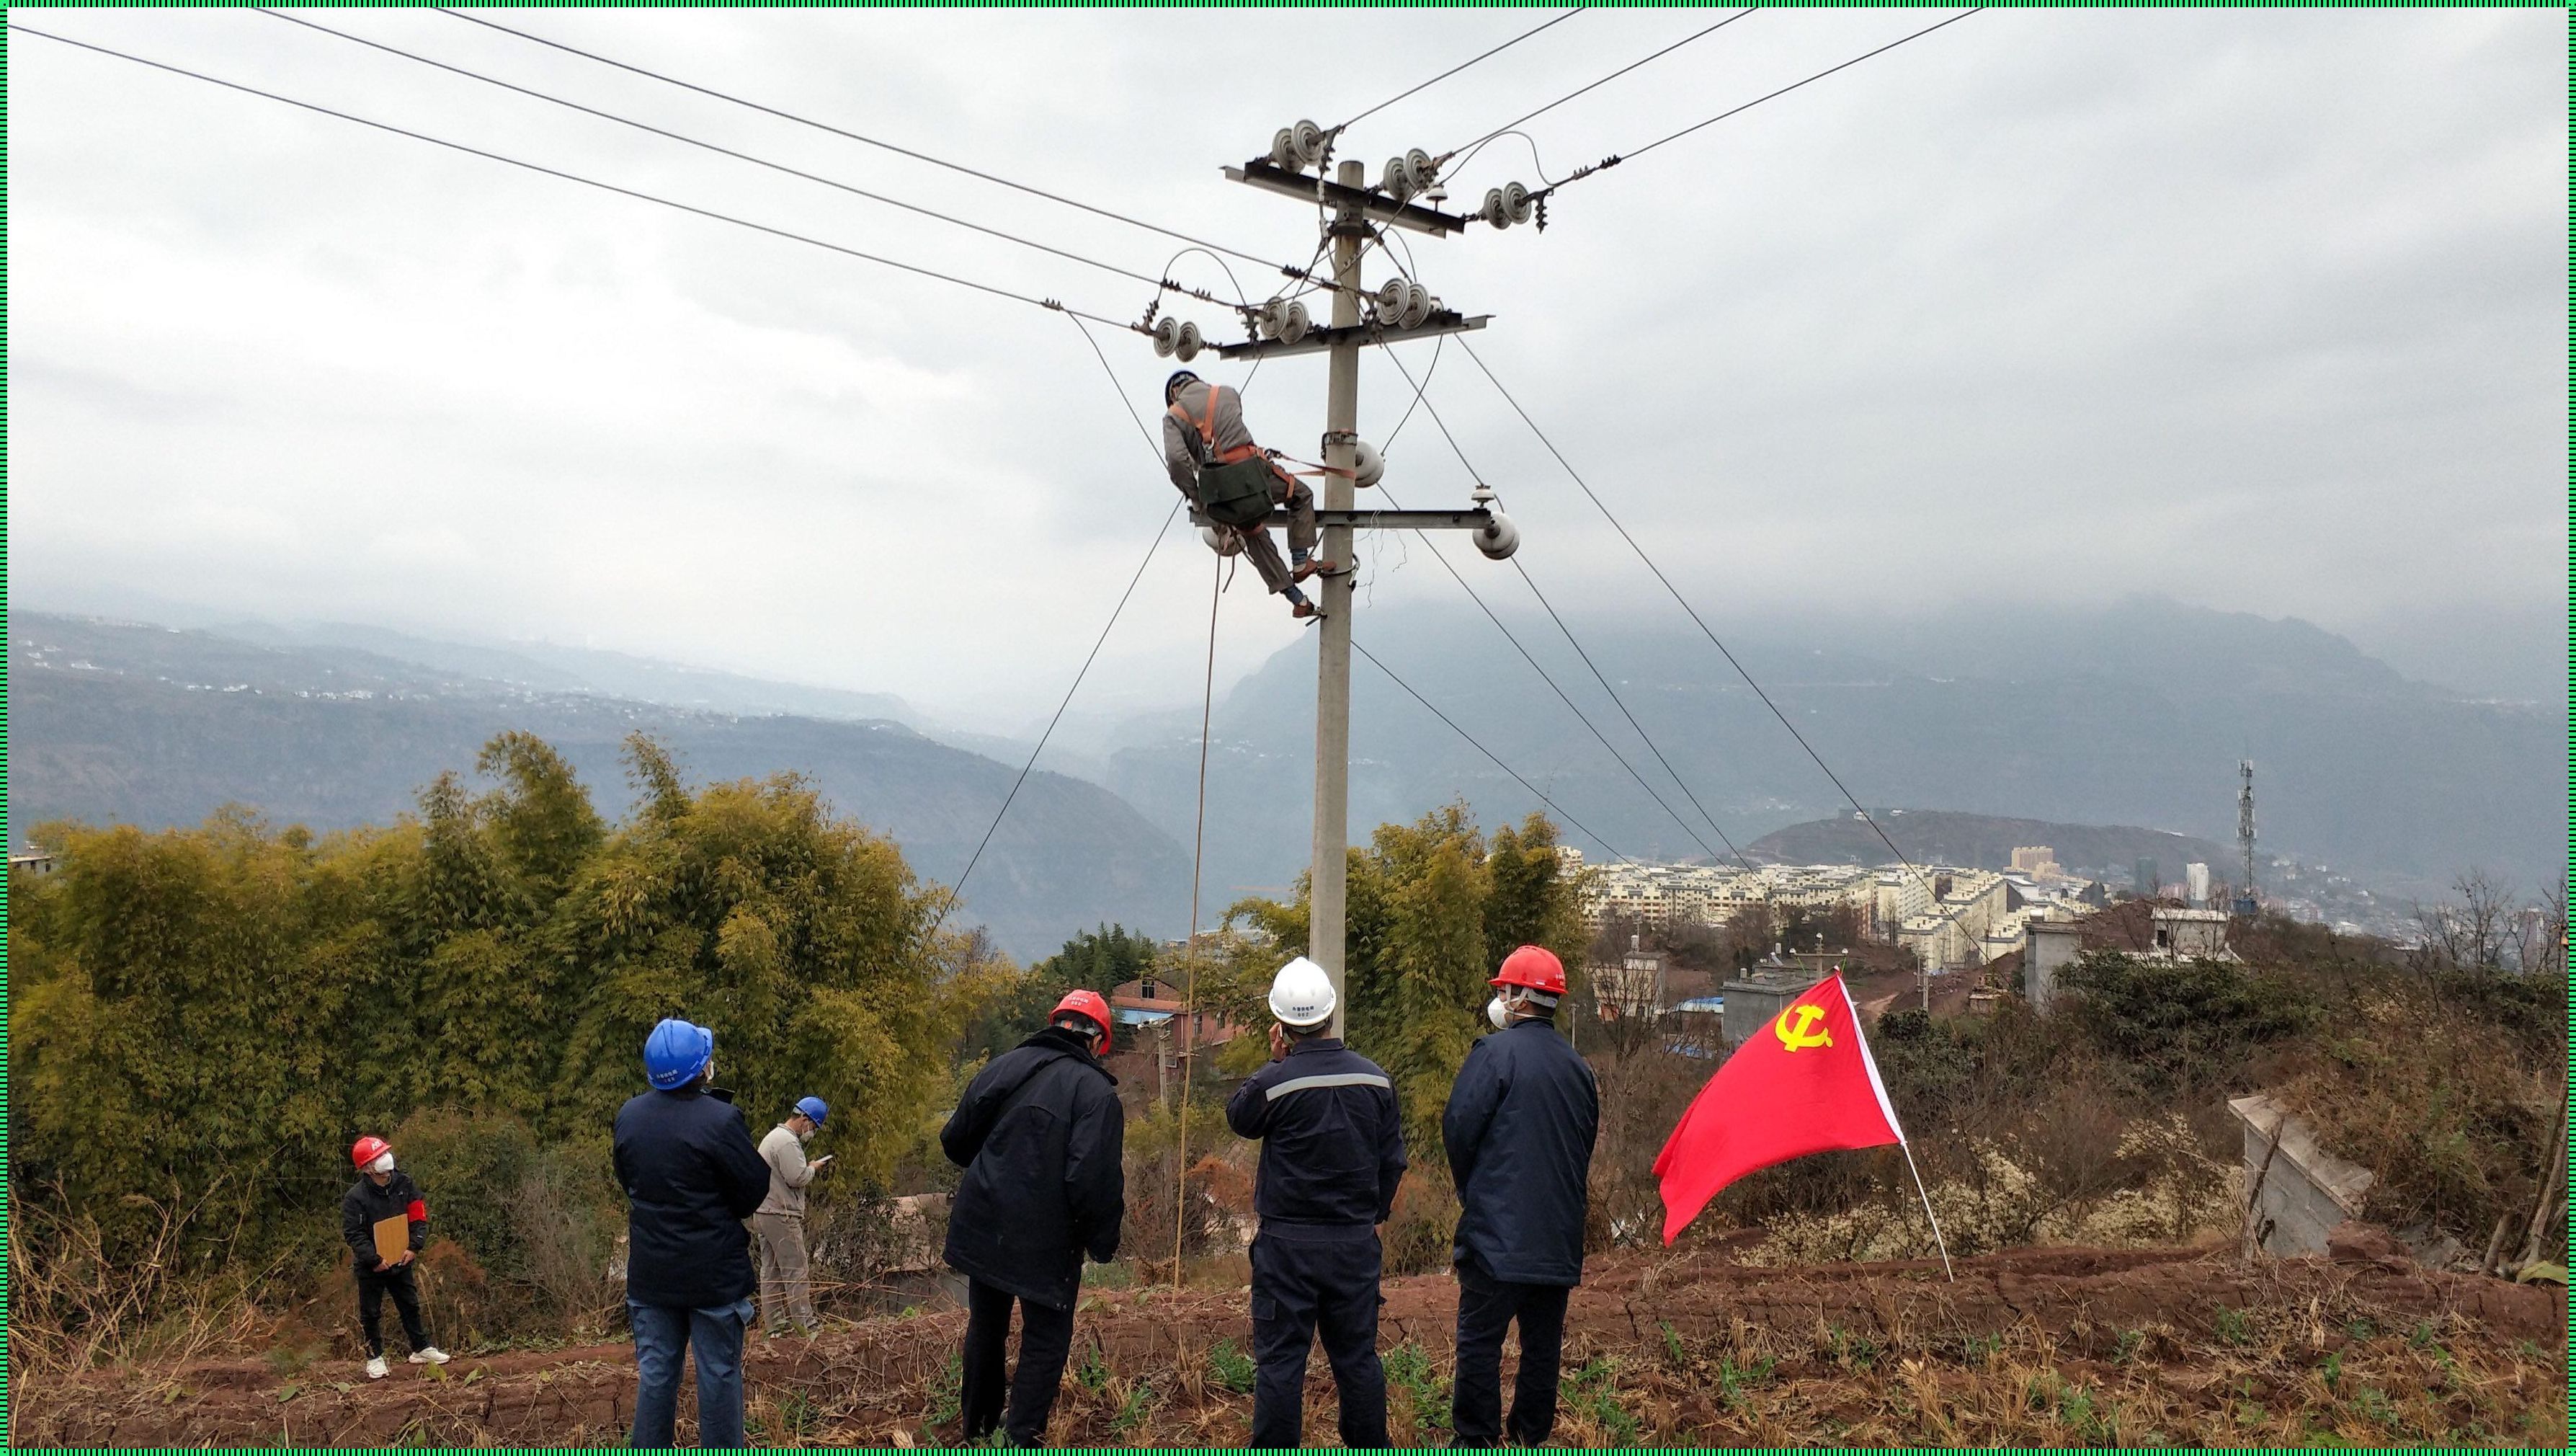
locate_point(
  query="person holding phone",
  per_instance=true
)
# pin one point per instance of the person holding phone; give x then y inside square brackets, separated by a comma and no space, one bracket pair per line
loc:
[786,1291]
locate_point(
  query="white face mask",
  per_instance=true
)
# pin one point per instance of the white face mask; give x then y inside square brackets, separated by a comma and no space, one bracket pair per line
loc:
[1497,1013]
[384,1164]
[710,1072]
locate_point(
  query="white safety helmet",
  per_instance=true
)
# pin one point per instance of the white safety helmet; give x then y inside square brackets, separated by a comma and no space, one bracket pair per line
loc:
[1301,995]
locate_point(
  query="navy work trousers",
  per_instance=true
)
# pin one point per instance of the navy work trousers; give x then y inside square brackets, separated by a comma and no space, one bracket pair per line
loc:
[1486,1308]
[1046,1338]
[1305,1281]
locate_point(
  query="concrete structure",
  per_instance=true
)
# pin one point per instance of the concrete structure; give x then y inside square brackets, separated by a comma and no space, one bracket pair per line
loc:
[2195,882]
[1753,999]
[2050,947]
[2188,935]
[2036,859]
[1634,987]
[2297,1190]
[31,865]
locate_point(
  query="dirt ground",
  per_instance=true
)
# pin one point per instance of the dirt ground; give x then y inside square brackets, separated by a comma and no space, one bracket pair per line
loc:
[2034,1347]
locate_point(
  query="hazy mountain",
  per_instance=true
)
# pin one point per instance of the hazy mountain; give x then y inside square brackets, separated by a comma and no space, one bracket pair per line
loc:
[148,725]
[2131,714]
[1986,841]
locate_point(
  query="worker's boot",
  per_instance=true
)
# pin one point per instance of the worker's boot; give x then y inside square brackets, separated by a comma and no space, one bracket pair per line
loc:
[1303,610]
[1315,566]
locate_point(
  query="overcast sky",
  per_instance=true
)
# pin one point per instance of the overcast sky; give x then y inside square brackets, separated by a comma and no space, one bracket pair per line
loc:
[2263,310]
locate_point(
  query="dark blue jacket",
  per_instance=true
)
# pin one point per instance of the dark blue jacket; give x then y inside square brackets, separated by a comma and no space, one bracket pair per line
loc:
[365,1205]
[1332,1144]
[1042,1139]
[1519,1128]
[692,1175]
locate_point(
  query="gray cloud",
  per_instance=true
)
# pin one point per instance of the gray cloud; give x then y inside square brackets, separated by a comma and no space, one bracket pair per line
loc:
[2264,310]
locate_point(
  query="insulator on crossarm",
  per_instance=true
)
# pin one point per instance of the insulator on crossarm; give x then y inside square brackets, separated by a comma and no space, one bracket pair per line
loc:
[1516,202]
[1367,466]
[1293,322]
[1189,342]
[1499,538]
[1167,336]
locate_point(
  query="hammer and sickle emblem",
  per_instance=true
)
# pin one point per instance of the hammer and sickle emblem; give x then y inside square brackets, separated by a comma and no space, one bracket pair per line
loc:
[1806,1033]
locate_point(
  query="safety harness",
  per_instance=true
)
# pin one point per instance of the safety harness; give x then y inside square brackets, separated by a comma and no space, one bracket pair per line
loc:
[1234,484]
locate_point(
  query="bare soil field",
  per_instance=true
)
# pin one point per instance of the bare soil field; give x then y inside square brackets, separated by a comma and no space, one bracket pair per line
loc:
[2068,1347]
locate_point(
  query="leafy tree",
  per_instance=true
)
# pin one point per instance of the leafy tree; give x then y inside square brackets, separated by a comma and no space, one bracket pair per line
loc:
[1099,959]
[1433,907]
[211,1015]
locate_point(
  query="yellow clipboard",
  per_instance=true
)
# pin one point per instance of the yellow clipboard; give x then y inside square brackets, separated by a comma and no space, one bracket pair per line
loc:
[393,1237]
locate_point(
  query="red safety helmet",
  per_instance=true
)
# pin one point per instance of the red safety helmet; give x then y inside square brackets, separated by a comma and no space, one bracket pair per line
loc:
[1084,1003]
[367,1150]
[1533,966]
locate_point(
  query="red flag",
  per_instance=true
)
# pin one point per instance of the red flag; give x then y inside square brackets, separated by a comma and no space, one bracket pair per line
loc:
[1804,1083]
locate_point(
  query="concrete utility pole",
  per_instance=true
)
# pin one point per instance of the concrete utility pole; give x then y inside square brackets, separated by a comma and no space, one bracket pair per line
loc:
[1330,872]
[1397,313]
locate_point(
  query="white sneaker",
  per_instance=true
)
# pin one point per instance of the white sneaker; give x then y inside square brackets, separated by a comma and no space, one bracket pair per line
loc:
[376,1367]
[429,1355]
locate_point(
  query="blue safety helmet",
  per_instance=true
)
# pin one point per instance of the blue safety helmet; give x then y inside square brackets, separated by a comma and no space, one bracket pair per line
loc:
[676,1052]
[814,1109]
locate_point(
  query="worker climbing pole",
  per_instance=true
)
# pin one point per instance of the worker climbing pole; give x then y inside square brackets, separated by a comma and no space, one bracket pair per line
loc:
[1398,310]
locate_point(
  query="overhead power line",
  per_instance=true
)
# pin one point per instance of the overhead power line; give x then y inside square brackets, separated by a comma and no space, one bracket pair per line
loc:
[1487,752]
[1695,617]
[1462,65]
[472,151]
[1422,397]
[1161,283]
[1615,158]
[1613,76]
[957,889]
[878,142]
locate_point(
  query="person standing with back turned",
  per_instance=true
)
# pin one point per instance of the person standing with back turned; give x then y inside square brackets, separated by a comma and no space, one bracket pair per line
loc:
[1332,1153]
[1519,1129]
[685,1157]
[1041,1135]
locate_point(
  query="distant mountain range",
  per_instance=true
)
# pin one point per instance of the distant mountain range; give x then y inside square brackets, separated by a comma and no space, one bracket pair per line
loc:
[2130,714]
[139,724]
[2134,714]
[1986,841]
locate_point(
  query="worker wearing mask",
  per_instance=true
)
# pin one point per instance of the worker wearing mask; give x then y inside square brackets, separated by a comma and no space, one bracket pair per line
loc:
[1332,1153]
[685,1157]
[1041,1135]
[786,1293]
[382,1194]
[1215,462]
[1519,1129]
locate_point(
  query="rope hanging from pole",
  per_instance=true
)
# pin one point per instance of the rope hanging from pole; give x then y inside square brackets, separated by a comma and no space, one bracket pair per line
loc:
[1190,987]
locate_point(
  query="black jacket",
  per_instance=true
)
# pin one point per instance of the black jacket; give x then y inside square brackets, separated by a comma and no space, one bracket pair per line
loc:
[1519,1128]
[692,1175]
[1041,1137]
[1332,1142]
[365,1205]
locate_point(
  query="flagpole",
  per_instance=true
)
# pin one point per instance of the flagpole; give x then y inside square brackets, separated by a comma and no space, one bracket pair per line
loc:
[1937,1241]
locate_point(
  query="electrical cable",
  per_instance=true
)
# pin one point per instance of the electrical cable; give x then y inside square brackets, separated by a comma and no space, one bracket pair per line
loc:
[1613,76]
[1190,987]
[1421,393]
[1695,617]
[471,151]
[1543,676]
[901,151]
[1162,283]
[1615,158]
[958,888]
[1454,70]
[1487,752]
